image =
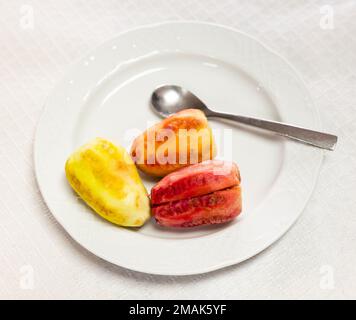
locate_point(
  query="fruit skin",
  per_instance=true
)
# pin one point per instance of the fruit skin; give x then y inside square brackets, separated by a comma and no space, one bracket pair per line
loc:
[106,178]
[205,193]
[195,180]
[213,208]
[182,139]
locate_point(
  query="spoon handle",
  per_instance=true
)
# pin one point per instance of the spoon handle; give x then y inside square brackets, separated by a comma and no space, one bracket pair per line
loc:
[315,138]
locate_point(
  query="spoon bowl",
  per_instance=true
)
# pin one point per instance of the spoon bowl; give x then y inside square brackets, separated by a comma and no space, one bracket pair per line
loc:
[169,99]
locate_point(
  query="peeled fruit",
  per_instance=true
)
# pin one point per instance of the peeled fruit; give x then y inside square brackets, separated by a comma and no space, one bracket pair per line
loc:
[204,193]
[182,139]
[106,178]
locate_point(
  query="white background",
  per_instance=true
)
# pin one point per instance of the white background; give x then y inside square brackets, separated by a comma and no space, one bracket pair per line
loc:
[38,42]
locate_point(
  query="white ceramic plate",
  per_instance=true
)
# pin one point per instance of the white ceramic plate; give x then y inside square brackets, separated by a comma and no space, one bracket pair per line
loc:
[107,94]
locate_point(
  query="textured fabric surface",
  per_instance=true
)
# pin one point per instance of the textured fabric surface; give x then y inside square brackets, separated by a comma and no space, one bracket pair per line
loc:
[40,39]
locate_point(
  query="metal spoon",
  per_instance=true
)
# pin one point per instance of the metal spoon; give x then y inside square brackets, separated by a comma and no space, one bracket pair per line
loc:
[169,99]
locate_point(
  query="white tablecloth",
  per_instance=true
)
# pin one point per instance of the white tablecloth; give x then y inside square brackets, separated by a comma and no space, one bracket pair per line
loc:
[40,39]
